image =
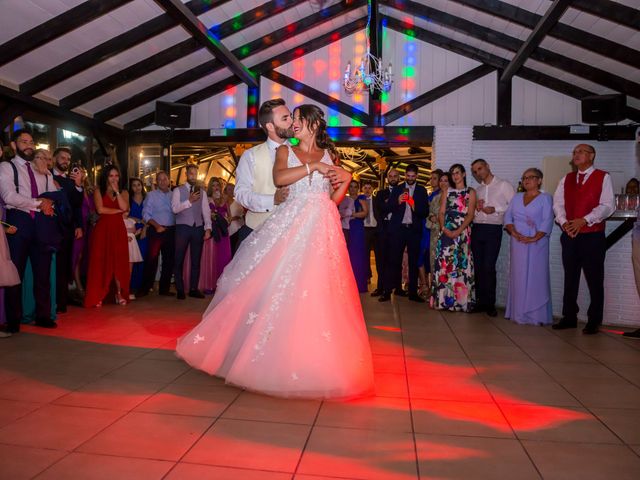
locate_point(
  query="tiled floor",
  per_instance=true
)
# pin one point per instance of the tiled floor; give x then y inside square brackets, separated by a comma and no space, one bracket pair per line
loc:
[458,396]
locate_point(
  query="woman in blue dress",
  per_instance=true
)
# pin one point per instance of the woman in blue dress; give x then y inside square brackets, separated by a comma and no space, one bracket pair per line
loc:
[356,243]
[529,220]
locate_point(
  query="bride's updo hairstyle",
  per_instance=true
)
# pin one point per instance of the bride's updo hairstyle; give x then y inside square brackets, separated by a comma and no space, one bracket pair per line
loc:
[316,122]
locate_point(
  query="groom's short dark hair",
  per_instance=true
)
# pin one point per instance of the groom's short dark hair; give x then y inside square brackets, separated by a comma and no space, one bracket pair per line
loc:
[265,115]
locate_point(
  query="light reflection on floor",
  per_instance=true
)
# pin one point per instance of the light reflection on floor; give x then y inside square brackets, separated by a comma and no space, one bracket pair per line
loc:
[458,396]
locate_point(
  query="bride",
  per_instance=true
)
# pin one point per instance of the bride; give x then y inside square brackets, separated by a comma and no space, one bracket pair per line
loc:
[286,318]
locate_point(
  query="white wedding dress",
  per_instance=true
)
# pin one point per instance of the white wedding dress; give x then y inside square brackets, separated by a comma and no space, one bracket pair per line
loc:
[286,318]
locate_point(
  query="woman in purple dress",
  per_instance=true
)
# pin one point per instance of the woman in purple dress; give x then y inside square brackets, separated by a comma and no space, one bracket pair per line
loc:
[358,254]
[529,220]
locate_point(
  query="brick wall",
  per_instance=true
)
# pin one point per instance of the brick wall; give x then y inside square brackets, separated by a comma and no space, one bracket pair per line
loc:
[508,160]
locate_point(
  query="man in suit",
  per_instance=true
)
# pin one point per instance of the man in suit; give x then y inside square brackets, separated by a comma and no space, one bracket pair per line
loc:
[20,187]
[190,204]
[71,184]
[409,206]
[381,211]
[582,202]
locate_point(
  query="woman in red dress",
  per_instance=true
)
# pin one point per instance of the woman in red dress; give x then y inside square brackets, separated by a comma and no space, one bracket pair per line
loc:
[108,251]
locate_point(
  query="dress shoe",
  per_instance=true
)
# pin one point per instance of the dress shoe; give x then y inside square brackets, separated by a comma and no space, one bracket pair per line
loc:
[181,295]
[492,312]
[385,297]
[590,329]
[44,323]
[416,298]
[166,294]
[10,329]
[196,294]
[398,292]
[61,310]
[4,334]
[376,293]
[478,309]
[634,334]
[142,293]
[564,324]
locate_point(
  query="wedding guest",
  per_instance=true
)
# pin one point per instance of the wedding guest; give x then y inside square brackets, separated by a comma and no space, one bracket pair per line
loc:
[408,207]
[237,213]
[109,250]
[346,208]
[382,212]
[50,228]
[494,195]
[370,228]
[137,194]
[219,205]
[81,245]
[453,276]
[160,219]
[635,259]
[70,180]
[529,221]
[133,232]
[21,189]
[193,227]
[632,187]
[426,259]
[8,274]
[356,246]
[582,202]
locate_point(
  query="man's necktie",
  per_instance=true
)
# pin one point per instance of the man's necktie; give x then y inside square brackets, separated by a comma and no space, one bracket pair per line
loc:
[34,186]
[581,178]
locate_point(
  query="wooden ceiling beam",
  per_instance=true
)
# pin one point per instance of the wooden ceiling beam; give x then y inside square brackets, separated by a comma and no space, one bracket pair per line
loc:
[110,48]
[495,61]
[184,16]
[506,42]
[612,11]
[56,27]
[437,92]
[173,53]
[318,96]
[327,14]
[56,112]
[546,23]
[561,31]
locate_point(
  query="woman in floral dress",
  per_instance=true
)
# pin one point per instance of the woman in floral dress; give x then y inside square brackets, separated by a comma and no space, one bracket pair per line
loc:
[453,282]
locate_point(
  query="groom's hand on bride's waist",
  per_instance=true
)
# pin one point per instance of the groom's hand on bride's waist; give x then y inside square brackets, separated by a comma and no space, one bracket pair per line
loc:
[338,175]
[281,195]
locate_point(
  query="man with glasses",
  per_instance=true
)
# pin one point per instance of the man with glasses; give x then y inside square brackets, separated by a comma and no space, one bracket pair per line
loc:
[494,195]
[20,187]
[582,202]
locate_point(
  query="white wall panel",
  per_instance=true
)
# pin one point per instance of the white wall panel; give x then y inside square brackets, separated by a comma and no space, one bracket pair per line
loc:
[533,104]
[213,112]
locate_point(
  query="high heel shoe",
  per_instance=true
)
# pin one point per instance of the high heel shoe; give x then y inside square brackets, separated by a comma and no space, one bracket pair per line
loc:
[120,300]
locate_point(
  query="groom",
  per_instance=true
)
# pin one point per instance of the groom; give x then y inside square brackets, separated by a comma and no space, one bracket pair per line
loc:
[255,189]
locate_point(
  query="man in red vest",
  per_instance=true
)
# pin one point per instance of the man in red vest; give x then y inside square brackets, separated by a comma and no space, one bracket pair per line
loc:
[583,200]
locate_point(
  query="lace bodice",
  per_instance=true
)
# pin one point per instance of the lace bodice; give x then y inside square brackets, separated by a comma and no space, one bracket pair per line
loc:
[312,184]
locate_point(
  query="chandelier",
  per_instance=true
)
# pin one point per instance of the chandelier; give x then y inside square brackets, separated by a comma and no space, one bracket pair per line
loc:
[370,74]
[352,154]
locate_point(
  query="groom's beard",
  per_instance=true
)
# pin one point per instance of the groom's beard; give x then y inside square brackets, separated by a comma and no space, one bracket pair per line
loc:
[27,154]
[284,133]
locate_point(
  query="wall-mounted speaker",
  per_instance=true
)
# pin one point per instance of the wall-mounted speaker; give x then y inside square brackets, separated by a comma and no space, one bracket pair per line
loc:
[173,115]
[604,108]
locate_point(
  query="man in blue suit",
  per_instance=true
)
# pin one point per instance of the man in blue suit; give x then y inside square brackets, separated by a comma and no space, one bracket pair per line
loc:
[409,206]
